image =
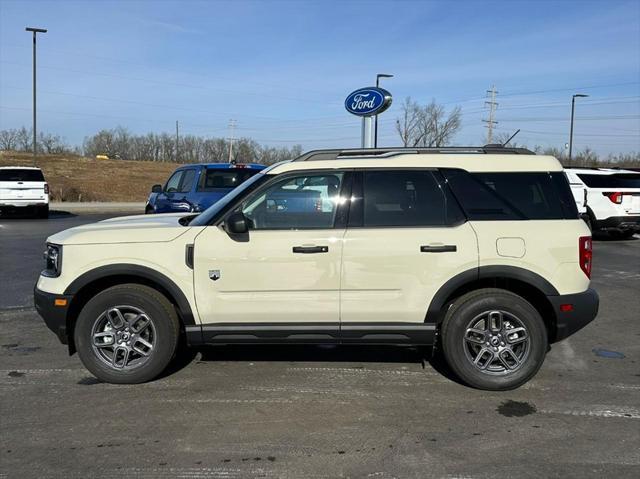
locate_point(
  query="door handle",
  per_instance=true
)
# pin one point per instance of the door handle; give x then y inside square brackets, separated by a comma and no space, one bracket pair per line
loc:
[310,249]
[444,248]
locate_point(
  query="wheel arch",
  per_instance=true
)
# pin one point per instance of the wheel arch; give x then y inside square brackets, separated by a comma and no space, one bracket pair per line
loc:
[86,286]
[527,284]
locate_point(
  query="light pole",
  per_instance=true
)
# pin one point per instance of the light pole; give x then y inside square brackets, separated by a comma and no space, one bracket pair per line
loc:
[375,128]
[573,107]
[35,138]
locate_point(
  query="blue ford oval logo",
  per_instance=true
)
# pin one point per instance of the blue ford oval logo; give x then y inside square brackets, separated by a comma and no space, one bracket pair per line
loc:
[368,101]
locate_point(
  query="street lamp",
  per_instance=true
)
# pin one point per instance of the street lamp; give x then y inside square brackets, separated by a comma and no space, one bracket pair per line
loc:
[35,32]
[375,128]
[573,107]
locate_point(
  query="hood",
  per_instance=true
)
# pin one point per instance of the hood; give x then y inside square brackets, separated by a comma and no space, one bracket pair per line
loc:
[125,229]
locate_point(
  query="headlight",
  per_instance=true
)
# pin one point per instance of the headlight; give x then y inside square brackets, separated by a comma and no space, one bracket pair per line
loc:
[53,259]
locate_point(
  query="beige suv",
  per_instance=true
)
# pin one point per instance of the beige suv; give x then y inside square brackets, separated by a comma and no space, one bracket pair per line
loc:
[478,252]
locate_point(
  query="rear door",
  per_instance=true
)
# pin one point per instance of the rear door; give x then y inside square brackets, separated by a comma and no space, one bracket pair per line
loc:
[406,237]
[21,184]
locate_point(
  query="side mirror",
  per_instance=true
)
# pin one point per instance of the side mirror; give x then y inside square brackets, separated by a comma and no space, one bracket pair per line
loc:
[156,189]
[236,223]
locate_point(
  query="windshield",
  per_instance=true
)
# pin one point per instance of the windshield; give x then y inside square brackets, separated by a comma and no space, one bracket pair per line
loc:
[207,215]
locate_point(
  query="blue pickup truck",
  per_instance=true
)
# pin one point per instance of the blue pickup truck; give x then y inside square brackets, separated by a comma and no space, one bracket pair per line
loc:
[196,187]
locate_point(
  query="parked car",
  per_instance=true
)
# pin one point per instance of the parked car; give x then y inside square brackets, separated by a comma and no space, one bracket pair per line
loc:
[23,188]
[476,253]
[611,198]
[195,187]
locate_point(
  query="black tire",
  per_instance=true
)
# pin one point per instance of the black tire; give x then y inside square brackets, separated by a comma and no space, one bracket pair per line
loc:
[457,351]
[163,322]
[42,212]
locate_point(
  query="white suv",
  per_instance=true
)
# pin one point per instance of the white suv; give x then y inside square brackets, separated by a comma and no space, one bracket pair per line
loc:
[23,187]
[611,198]
[473,251]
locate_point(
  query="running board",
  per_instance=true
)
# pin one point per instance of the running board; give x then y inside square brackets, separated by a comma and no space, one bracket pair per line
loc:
[316,333]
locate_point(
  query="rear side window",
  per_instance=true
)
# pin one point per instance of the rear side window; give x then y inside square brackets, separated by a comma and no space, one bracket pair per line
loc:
[406,198]
[17,174]
[512,196]
[214,179]
[617,180]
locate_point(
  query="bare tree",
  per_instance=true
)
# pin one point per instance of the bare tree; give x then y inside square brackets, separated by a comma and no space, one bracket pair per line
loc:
[427,126]
[25,142]
[407,125]
[8,139]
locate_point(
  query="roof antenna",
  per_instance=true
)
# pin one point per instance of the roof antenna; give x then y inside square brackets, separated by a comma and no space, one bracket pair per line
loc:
[511,138]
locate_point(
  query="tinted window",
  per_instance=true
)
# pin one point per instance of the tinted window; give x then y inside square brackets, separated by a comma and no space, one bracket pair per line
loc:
[617,180]
[511,196]
[563,190]
[187,181]
[174,182]
[20,175]
[305,201]
[214,179]
[405,198]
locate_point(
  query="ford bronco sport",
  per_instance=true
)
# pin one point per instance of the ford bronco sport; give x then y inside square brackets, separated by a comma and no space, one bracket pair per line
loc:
[478,252]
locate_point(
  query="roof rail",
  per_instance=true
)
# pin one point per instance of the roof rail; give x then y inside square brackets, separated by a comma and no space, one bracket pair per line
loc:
[335,154]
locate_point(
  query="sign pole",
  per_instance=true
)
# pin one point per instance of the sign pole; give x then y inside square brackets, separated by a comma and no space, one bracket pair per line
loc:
[362,135]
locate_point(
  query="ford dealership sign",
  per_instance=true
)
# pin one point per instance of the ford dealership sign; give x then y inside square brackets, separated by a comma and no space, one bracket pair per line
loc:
[368,101]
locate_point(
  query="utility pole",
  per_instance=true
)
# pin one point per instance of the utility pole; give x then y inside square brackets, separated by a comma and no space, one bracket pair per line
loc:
[573,107]
[35,137]
[492,110]
[232,127]
[375,127]
[177,143]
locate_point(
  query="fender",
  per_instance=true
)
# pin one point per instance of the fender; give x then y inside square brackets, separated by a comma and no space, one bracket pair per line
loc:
[485,272]
[141,272]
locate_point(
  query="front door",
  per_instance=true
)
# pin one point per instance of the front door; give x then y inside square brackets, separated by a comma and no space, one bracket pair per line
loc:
[285,270]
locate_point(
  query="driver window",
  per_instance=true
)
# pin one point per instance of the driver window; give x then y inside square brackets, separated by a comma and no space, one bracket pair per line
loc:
[299,202]
[174,182]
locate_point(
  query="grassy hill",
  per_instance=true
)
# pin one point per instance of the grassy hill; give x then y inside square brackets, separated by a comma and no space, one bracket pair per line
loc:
[74,178]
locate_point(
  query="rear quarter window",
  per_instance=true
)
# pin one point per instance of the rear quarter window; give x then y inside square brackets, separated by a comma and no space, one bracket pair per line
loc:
[512,196]
[17,174]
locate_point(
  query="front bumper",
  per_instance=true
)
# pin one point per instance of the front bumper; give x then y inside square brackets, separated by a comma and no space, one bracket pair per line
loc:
[626,223]
[55,317]
[585,309]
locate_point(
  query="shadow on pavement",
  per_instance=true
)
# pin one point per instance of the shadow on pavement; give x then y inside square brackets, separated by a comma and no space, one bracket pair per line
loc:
[311,353]
[30,215]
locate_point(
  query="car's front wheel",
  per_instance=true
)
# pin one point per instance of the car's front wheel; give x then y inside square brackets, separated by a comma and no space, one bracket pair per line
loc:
[127,334]
[493,339]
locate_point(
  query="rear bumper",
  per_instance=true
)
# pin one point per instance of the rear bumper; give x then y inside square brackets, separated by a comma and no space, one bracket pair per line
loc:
[585,309]
[55,317]
[21,203]
[626,223]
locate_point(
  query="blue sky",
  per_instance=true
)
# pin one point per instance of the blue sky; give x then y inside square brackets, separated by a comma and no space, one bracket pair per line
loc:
[283,69]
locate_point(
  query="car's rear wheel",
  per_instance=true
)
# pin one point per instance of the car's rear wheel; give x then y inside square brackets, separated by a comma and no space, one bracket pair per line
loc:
[127,334]
[494,339]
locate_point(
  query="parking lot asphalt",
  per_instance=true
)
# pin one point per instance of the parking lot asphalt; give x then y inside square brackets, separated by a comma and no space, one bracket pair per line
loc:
[316,412]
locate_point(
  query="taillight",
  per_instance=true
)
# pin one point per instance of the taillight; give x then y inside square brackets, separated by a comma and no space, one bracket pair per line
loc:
[586,254]
[615,197]
[46,188]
